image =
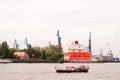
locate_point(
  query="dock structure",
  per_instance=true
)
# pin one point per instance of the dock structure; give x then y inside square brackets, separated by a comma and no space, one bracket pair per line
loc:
[89,46]
[5,61]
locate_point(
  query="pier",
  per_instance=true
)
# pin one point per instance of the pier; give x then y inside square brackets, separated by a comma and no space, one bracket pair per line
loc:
[5,61]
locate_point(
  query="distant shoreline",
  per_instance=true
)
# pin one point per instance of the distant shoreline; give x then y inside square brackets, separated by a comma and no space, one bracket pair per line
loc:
[24,61]
[6,61]
[46,61]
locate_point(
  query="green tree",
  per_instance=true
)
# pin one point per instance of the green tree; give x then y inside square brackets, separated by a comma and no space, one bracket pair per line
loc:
[30,51]
[54,53]
[1,54]
[5,50]
[12,50]
[50,55]
[37,52]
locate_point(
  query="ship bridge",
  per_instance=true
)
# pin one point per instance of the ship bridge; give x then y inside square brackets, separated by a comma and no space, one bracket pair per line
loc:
[76,47]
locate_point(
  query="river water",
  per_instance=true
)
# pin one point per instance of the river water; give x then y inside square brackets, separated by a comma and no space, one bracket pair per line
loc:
[46,71]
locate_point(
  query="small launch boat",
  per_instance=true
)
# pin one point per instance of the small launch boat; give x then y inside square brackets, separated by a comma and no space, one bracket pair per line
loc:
[69,69]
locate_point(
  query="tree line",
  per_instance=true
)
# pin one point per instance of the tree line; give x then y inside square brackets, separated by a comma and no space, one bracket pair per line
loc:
[51,53]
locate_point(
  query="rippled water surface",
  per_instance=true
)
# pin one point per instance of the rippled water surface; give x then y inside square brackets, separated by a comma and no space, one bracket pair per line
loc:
[41,71]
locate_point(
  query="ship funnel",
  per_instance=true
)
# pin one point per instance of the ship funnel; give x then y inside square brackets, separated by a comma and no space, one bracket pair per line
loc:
[76,42]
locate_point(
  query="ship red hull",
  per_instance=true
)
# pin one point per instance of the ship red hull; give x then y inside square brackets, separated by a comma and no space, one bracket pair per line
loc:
[77,56]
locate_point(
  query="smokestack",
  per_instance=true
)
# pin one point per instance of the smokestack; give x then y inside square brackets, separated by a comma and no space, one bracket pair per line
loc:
[76,42]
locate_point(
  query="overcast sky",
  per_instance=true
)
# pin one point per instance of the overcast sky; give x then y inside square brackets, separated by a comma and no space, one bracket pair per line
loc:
[39,20]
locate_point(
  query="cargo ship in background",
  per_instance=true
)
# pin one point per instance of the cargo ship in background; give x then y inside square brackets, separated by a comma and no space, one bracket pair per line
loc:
[77,53]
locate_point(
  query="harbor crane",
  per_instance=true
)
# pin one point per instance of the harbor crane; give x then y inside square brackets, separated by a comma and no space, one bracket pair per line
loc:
[59,38]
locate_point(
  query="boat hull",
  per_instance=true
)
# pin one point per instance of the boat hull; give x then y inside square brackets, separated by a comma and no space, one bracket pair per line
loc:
[71,71]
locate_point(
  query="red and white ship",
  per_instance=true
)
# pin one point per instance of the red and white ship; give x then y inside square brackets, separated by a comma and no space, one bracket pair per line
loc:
[76,52]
